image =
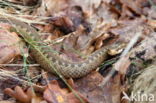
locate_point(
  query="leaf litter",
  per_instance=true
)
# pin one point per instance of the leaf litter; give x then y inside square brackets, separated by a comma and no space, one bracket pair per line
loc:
[80,28]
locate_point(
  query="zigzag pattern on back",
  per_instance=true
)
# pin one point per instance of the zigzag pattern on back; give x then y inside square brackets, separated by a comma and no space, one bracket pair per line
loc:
[48,60]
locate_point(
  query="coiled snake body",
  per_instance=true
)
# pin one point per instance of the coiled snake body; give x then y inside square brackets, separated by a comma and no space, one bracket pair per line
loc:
[48,60]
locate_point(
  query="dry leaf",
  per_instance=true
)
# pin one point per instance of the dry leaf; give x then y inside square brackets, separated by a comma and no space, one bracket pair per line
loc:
[122,65]
[128,28]
[7,101]
[19,94]
[146,50]
[55,94]
[10,44]
[49,7]
[89,87]
[152,23]
[87,4]
[25,97]
[99,40]
[136,6]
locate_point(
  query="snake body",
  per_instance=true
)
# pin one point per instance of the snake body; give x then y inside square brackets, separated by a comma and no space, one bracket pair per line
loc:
[50,61]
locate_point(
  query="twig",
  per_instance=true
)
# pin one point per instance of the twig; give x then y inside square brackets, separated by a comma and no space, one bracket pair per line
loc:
[5,14]
[125,53]
[19,65]
[4,74]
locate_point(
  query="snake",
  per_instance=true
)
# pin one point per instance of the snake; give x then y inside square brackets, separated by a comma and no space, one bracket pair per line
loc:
[49,60]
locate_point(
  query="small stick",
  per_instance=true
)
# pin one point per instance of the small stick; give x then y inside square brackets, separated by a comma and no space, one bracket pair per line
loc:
[125,52]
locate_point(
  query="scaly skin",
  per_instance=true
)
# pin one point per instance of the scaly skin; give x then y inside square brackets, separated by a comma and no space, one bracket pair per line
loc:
[51,62]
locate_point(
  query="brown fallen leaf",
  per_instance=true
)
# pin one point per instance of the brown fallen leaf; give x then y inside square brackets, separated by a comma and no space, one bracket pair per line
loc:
[24,2]
[30,2]
[122,65]
[10,45]
[49,7]
[152,23]
[136,6]
[102,14]
[15,1]
[99,40]
[25,97]
[79,40]
[55,94]
[70,19]
[151,11]
[127,29]
[89,87]
[146,50]
[87,4]
[4,26]
[6,101]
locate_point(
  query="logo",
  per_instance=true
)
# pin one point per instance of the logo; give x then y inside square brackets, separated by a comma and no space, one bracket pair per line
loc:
[140,97]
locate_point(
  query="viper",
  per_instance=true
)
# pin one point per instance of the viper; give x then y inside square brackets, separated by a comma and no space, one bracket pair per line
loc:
[49,60]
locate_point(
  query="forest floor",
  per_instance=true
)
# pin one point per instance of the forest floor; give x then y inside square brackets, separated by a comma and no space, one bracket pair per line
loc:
[74,30]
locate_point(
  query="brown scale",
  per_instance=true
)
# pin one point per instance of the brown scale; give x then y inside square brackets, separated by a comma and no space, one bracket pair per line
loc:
[52,61]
